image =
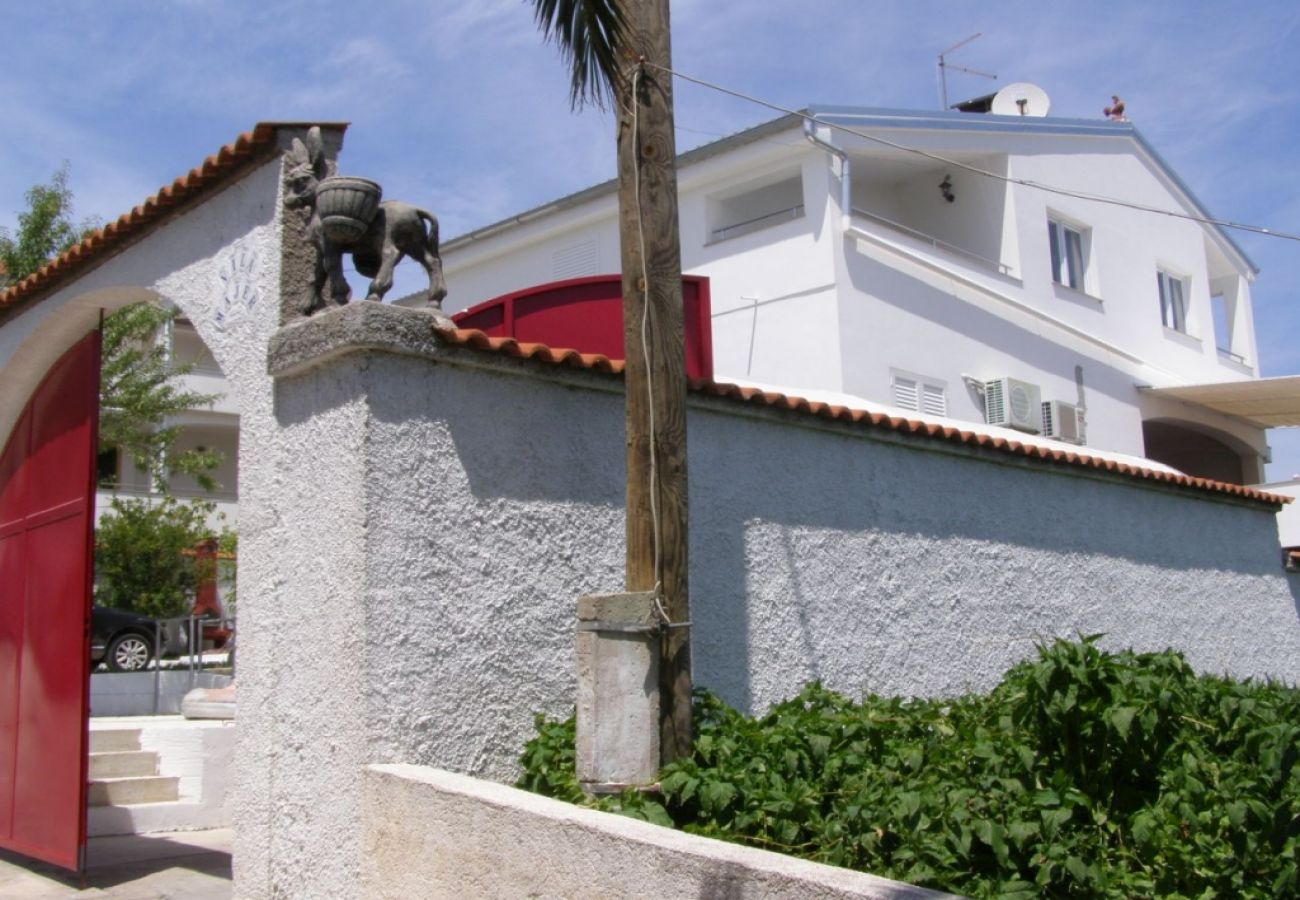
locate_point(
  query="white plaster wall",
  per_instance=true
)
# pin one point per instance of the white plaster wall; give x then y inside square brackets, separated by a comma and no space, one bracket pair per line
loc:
[220,264]
[481,270]
[1127,248]
[431,833]
[493,501]
[1288,519]
[132,693]
[437,521]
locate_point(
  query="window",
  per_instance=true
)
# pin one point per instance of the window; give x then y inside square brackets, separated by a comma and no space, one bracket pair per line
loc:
[1068,253]
[755,207]
[1173,302]
[920,395]
[106,468]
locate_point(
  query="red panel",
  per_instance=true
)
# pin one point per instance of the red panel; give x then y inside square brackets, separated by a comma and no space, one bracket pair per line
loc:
[11,470]
[46,531]
[11,642]
[488,318]
[48,795]
[586,314]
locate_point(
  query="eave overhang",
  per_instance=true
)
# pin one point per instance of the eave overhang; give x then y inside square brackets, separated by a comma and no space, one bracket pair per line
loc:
[1262,402]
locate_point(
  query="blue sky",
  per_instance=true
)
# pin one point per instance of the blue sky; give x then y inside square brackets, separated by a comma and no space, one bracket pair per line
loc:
[458,105]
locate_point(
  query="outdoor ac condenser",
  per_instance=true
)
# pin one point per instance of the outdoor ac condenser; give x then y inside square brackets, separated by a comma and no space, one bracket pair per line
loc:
[1063,421]
[1013,404]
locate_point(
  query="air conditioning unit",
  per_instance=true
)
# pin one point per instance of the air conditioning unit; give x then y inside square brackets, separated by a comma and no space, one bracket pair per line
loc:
[1063,421]
[1014,404]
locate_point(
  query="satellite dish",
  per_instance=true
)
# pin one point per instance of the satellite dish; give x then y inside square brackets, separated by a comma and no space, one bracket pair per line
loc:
[1021,99]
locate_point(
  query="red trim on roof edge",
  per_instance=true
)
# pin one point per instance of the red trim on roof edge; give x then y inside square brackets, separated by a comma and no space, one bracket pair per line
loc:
[477,340]
[217,170]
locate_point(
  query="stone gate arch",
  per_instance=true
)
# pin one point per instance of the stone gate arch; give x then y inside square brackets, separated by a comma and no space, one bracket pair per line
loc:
[209,244]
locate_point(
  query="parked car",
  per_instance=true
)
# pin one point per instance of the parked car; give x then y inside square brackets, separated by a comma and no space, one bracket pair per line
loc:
[125,641]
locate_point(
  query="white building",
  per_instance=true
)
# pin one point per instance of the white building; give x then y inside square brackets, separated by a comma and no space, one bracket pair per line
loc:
[213,428]
[882,263]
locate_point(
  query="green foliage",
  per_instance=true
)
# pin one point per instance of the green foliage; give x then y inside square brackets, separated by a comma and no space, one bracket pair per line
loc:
[139,560]
[138,392]
[45,230]
[1083,774]
[228,543]
[589,34]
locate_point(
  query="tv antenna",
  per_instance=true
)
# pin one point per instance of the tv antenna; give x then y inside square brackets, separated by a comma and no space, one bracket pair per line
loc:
[944,66]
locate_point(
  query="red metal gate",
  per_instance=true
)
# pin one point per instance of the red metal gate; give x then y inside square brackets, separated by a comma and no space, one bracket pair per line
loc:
[586,314]
[47,495]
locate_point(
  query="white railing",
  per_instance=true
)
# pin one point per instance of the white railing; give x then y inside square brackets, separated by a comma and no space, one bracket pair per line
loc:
[756,223]
[933,241]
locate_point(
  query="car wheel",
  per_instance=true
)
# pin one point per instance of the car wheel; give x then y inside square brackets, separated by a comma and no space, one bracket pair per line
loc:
[128,653]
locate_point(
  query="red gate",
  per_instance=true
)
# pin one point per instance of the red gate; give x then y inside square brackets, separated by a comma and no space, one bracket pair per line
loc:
[47,495]
[586,314]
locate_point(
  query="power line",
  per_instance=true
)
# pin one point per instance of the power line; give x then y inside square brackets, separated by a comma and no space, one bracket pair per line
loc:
[1026,182]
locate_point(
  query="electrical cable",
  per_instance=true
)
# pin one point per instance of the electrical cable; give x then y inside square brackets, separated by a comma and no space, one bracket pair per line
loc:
[645,347]
[1029,183]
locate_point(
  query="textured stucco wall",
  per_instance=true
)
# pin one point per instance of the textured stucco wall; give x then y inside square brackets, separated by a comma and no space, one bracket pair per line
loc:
[439,517]
[219,262]
[430,833]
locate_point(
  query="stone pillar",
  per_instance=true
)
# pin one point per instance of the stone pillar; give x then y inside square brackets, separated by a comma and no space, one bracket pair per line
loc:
[434,510]
[324,727]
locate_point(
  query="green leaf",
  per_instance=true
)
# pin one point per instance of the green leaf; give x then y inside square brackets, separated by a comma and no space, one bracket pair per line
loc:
[715,795]
[649,811]
[1122,718]
[1022,832]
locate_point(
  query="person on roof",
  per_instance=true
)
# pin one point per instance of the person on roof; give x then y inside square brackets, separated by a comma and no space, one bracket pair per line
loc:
[1116,109]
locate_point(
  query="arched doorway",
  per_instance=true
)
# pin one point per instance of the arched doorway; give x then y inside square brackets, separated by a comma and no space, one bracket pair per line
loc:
[1200,451]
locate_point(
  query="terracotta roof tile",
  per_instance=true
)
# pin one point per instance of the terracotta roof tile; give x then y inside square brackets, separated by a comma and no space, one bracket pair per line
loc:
[471,337]
[540,352]
[217,170]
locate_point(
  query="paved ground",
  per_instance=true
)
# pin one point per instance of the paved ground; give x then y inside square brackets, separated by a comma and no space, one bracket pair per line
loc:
[181,864]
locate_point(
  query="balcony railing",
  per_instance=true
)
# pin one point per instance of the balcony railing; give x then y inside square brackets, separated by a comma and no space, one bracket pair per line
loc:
[756,223]
[935,242]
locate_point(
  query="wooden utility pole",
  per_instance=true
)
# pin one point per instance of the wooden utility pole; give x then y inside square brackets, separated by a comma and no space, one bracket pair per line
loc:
[656,364]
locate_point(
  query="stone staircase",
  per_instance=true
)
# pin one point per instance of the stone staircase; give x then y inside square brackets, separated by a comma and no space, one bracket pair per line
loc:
[157,773]
[121,774]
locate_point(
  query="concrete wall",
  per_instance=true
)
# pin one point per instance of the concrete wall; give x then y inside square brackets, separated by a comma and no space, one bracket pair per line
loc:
[146,693]
[439,510]
[430,833]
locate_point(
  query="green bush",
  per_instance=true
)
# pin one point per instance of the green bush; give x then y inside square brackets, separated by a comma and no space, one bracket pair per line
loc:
[139,560]
[1083,774]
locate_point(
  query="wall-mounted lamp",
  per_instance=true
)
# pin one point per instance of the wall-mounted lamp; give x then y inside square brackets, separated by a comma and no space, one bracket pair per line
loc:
[945,188]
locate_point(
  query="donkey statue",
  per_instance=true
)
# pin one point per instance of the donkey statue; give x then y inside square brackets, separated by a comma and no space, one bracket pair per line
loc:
[396,230]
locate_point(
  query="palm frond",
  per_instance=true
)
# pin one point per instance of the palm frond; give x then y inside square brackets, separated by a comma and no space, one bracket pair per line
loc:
[589,34]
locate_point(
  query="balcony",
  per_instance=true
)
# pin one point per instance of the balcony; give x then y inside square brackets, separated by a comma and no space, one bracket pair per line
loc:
[909,234]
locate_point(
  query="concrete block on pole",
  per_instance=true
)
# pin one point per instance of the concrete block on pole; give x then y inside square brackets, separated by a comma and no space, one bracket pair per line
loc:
[618,691]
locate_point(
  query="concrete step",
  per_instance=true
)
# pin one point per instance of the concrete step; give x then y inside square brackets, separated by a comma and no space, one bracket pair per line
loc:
[114,740]
[128,791]
[143,818]
[124,764]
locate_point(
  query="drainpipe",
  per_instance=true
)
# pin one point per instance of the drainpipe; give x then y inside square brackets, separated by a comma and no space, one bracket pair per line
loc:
[846,181]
